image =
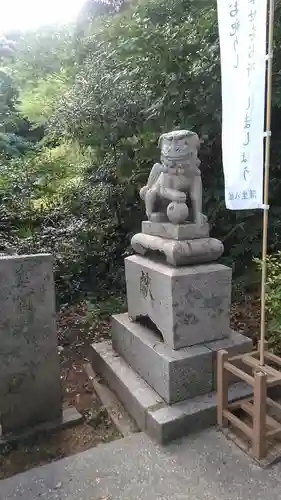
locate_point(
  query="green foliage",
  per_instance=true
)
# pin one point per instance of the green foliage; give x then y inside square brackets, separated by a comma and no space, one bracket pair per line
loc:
[273,300]
[144,70]
[8,98]
[38,180]
[39,101]
[88,233]
[11,143]
[103,310]
[94,8]
[42,70]
[153,68]
[38,54]
[13,127]
[100,97]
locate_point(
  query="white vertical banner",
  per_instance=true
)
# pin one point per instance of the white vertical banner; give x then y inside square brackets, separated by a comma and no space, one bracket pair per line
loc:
[242,30]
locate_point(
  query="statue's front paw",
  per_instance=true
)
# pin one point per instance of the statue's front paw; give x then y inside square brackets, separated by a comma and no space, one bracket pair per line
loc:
[180,197]
[158,217]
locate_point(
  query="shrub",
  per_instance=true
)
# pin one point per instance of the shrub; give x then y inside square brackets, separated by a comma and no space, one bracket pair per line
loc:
[273,301]
[152,68]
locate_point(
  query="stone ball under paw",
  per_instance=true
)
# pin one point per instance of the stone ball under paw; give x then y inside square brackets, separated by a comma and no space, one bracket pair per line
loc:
[177,213]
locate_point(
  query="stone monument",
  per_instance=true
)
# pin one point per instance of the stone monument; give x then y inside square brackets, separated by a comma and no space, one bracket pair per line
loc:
[30,384]
[162,360]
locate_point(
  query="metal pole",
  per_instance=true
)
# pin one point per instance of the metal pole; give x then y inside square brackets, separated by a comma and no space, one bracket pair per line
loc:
[266,176]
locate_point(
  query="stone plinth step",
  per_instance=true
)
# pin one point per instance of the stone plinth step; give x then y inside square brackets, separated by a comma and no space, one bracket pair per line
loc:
[161,421]
[178,252]
[174,375]
[187,231]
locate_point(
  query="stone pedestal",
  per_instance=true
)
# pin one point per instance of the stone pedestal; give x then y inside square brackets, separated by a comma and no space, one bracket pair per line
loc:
[136,382]
[170,392]
[189,305]
[162,361]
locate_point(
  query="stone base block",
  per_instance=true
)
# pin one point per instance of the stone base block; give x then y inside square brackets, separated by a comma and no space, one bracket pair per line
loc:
[187,231]
[174,375]
[189,305]
[161,421]
[178,253]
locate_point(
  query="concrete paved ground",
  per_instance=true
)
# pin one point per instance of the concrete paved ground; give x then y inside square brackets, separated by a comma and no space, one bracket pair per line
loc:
[201,467]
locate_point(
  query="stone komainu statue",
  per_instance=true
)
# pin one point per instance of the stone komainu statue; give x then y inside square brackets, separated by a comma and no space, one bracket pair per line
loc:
[174,188]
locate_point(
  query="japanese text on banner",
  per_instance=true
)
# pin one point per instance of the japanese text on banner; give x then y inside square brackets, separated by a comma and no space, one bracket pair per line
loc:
[242,29]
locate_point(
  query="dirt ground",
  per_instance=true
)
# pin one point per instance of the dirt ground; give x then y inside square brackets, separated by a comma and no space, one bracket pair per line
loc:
[245,316]
[76,331]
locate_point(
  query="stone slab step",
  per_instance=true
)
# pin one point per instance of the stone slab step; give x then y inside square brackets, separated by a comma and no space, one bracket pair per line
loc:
[135,394]
[161,421]
[120,417]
